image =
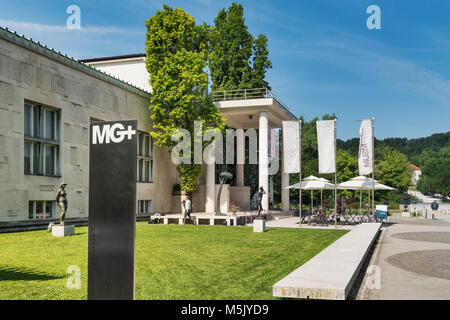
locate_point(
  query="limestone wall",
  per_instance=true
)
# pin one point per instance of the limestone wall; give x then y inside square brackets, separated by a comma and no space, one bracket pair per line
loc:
[28,76]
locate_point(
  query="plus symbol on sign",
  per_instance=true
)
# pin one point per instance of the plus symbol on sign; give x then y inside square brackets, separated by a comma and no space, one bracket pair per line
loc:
[129,132]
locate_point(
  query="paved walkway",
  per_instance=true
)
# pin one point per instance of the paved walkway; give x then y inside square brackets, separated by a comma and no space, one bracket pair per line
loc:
[411,261]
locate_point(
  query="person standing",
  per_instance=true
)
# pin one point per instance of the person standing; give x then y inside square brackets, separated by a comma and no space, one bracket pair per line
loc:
[188,207]
[434,209]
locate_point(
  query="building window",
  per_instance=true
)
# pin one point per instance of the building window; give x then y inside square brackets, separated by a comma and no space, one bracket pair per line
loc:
[41,140]
[145,158]
[144,206]
[41,209]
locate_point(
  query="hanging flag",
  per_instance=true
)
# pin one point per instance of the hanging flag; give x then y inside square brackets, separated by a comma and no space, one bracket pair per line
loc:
[291,146]
[326,141]
[365,148]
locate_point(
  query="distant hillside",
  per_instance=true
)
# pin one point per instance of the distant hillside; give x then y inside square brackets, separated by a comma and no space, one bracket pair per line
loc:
[412,148]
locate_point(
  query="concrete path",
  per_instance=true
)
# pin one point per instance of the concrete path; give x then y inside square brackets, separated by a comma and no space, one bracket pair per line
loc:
[331,273]
[411,261]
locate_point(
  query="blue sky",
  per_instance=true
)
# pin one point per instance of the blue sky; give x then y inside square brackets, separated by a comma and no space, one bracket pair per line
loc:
[324,57]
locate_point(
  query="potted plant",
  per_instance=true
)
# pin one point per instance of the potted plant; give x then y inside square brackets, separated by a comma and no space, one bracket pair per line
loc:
[234,207]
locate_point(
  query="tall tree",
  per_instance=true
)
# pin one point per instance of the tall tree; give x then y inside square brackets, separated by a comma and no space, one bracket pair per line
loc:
[236,59]
[230,49]
[260,64]
[176,59]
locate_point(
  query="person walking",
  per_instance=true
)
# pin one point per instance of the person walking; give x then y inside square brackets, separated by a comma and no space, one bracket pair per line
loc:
[188,207]
[434,209]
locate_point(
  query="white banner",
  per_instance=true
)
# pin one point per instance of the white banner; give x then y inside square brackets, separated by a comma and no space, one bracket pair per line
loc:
[365,148]
[326,141]
[291,146]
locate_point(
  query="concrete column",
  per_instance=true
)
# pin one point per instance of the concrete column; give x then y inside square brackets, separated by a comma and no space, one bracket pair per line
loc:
[263,157]
[210,206]
[284,184]
[240,155]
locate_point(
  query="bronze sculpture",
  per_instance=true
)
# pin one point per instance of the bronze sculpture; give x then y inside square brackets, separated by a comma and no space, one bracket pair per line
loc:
[223,177]
[61,201]
[261,192]
[406,200]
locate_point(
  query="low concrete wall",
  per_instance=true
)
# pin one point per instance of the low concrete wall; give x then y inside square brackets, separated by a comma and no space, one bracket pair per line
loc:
[31,225]
[331,273]
[241,197]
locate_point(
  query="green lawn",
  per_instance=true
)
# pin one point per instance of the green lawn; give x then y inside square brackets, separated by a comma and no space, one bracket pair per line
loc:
[172,262]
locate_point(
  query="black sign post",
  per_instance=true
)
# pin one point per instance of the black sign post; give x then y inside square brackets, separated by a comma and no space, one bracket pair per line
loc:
[112,210]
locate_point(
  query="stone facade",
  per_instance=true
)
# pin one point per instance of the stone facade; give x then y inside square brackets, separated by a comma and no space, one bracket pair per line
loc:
[31,73]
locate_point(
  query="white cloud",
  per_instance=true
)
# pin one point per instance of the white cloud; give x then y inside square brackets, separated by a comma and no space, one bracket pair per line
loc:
[22,26]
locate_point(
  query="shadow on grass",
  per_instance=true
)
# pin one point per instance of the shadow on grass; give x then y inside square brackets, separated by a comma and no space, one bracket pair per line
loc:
[18,274]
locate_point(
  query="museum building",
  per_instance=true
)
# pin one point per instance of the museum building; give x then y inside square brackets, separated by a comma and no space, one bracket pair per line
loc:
[47,102]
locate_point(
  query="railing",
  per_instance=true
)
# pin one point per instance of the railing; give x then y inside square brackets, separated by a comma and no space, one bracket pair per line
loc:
[245,94]
[241,94]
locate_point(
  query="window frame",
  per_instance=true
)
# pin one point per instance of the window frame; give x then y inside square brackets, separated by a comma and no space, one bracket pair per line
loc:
[44,208]
[37,141]
[146,204]
[145,157]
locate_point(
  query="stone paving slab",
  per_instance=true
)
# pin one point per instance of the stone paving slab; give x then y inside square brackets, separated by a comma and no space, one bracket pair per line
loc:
[409,268]
[331,273]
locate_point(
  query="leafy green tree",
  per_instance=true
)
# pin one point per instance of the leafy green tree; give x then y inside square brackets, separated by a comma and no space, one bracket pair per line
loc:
[435,176]
[176,59]
[231,47]
[391,168]
[236,59]
[255,76]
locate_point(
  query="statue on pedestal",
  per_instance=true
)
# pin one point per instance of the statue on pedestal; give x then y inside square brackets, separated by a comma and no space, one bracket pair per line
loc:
[405,199]
[61,201]
[261,192]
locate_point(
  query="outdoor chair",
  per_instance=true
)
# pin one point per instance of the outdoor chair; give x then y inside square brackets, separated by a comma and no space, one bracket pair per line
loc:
[353,217]
[319,218]
[248,219]
[345,218]
[306,218]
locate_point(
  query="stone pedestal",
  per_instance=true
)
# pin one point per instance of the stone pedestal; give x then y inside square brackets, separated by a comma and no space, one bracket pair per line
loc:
[405,214]
[259,225]
[63,230]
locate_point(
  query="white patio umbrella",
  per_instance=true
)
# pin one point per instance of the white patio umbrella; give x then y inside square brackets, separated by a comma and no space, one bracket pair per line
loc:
[313,183]
[362,183]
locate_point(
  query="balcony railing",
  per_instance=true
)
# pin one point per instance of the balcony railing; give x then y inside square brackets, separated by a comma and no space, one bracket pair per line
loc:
[241,94]
[245,94]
